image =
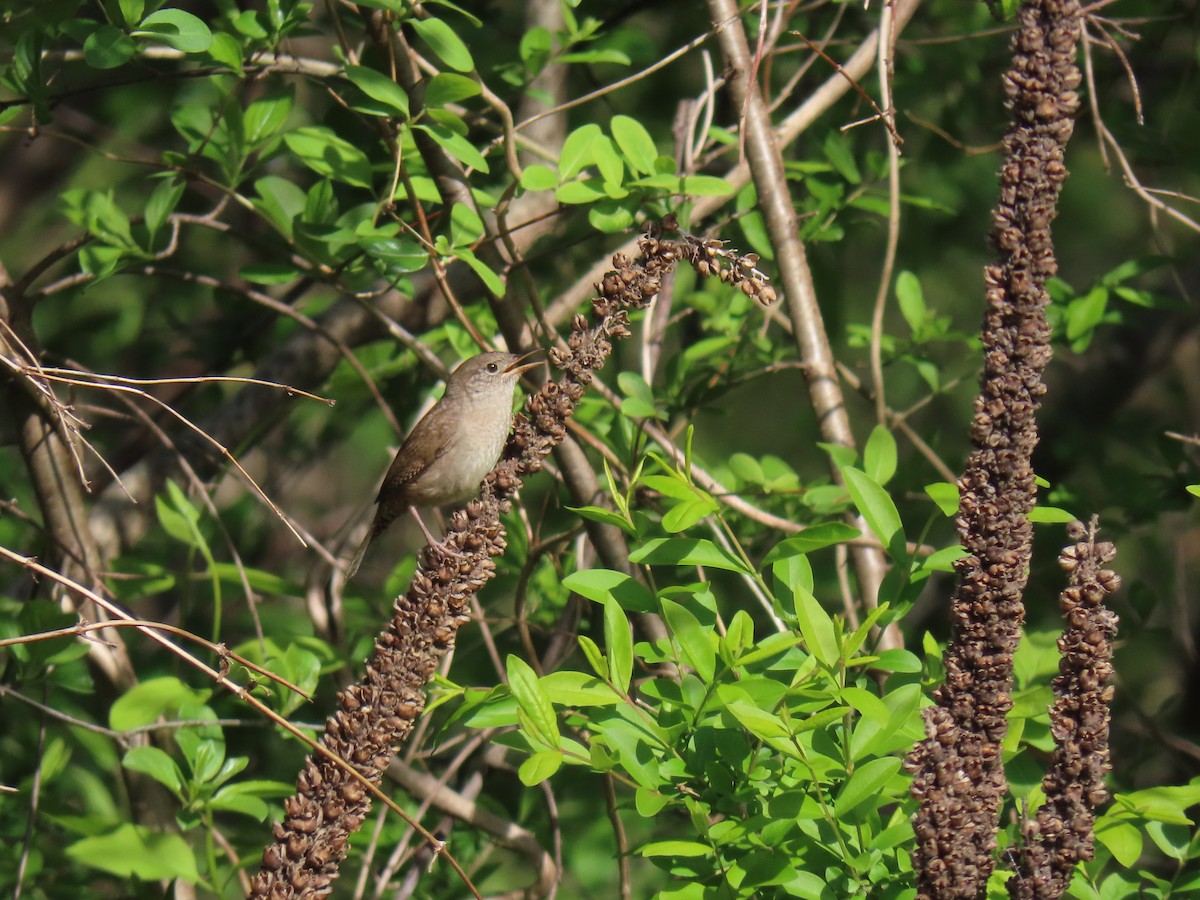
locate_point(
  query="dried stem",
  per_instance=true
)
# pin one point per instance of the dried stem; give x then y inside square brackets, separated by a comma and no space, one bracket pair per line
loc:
[959,779]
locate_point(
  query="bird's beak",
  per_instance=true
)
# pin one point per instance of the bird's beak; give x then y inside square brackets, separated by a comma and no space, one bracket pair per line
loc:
[520,365]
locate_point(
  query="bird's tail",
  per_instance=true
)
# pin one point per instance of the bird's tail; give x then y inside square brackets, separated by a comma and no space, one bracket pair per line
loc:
[352,569]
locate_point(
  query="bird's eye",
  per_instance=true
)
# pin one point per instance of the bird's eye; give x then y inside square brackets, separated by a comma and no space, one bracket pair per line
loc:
[493,367]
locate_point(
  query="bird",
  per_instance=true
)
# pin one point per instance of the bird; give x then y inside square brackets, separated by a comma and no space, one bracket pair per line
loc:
[453,446]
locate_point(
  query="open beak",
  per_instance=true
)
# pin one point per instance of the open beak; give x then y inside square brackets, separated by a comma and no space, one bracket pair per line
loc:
[521,366]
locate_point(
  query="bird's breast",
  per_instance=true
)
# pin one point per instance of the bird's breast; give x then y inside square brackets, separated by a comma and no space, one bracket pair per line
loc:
[478,441]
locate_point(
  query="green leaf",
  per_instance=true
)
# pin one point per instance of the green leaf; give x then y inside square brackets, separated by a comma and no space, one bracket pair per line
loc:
[866,704]
[456,145]
[879,455]
[635,142]
[839,453]
[695,642]
[143,703]
[706,186]
[638,400]
[912,302]
[683,516]
[945,495]
[134,850]
[1173,840]
[177,28]
[56,756]
[1193,489]
[490,279]
[379,87]
[813,538]
[279,202]
[578,689]
[577,152]
[794,572]
[226,51]
[465,225]
[902,661]
[649,803]
[447,88]
[609,216]
[394,255]
[575,193]
[610,164]
[875,505]
[539,178]
[327,154]
[157,764]
[532,701]
[594,656]
[1164,803]
[1085,313]
[539,767]
[447,45]
[687,552]
[675,848]
[174,523]
[108,47]
[763,725]
[1121,838]
[619,643]
[941,560]
[595,57]
[838,152]
[161,203]
[132,11]
[602,585]
[1050,515]
[872,736]
[865,784]
[229,799]
[600,514]
[816,625]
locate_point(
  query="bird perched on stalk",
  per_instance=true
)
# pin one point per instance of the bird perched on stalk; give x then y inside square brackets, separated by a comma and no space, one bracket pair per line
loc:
[448,453]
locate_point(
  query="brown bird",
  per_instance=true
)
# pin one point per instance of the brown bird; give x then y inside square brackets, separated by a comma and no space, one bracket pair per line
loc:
[447,454]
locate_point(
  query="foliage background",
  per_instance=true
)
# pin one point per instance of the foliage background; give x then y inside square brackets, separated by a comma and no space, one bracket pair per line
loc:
[172,208]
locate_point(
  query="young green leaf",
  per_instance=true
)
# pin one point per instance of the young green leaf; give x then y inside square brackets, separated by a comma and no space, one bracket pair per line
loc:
[379,87]
[157,764]
[578,150]
[875,505]
[687,552]
[442,40]
[176,28]
[619,643]
[945,495]
[325,153]
[456,145]
[533,701]
[138,851]
[540,766]
[635,142]
[447,87]
[879,455]
[696,643]
[602,585]
[865,784]
[816,625]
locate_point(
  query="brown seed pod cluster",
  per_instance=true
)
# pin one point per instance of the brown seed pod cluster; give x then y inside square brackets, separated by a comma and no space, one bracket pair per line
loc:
[375,715]
[958,775]
[1060,834]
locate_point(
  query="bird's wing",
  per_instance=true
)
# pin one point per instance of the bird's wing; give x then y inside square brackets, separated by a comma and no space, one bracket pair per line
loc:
[407,467]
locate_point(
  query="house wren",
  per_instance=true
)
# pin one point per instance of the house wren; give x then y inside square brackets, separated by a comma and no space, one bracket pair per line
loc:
[456,443]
